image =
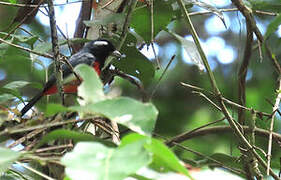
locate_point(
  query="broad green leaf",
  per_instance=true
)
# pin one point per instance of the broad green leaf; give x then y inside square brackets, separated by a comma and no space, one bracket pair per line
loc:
[68,134]
[141,20]
[273,26]
[191,50]
[52,109]
[16,84]
[162,155]
[91,89]
[15,92]
[12,89]
[96,161]
[7,158]
[140,177]
[137,116]
[5,97]
[135,63]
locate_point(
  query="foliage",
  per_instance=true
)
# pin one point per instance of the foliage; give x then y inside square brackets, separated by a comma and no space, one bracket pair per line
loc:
[171,132]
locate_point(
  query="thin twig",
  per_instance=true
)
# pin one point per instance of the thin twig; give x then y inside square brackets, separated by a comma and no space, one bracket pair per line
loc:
[208,99]
[53,148]
[152,34]
[32,5]
[26,137]
[217,92]
[126,25]
[162,75]
[247,13]
[196,88]
[173,143]
[275,108]
[34,171]
[20,129]
[178,137]
[26,49]
[26,31]
[223,129]
[23,20]
[231,169]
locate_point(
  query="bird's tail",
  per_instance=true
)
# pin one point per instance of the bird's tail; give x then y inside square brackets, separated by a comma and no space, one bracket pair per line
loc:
[31,103]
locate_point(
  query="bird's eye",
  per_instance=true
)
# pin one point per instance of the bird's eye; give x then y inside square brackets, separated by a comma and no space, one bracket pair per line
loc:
[100,43]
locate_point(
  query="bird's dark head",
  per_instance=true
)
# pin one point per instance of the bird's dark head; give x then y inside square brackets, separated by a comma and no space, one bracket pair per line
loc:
[101,49]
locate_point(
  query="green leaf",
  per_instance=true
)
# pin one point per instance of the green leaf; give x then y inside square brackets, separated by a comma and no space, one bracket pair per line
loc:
[135,63]
[16,84]
[191,50]
[96,161]
[141,20]
[91,89]
[273,26]
[13,1]
[52,109]
[5,97]
[12,89]
[7,158]
[139,117]
[162,155]
[15,92]
[68,134]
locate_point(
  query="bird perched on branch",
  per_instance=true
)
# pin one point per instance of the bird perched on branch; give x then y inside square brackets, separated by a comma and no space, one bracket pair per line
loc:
[93,53]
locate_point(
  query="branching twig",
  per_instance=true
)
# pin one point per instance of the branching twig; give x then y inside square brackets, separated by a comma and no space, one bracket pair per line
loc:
[227,100]
[217,92]
[249,17]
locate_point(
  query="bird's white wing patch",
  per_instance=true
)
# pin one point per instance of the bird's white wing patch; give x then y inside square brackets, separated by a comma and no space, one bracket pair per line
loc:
[100,43]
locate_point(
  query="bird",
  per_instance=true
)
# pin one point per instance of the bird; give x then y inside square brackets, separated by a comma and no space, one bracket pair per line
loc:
[94,54]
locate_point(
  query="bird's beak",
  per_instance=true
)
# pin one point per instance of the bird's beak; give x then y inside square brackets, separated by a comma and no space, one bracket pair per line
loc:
[117,54]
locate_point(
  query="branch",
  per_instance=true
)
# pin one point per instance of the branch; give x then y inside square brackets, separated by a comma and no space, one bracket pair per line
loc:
[247,13]
[217,92]
[221,129]
[57,68]
[26,49]
[23,20]
[275,108]
[243,73]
